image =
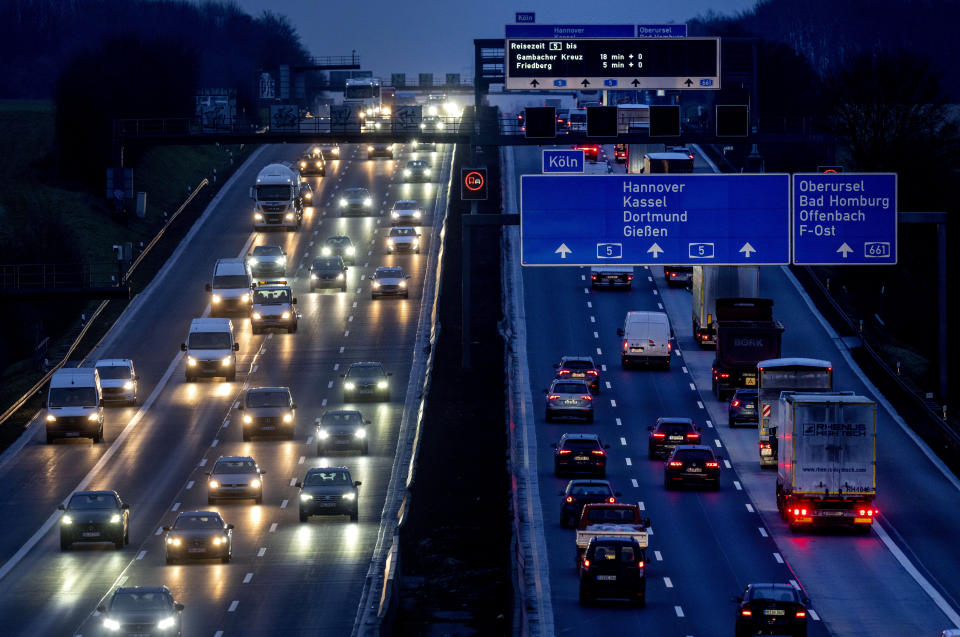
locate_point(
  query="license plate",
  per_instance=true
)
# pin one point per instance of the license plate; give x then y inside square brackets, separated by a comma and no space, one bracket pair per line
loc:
[571,401]
[582,458]
[694,470]
[766,452]
[91,534]
[72,434]
[267,427]
[832,514]
[636,349]
[749,381]
[607,578]
[774,611]
[579,375]
[201,550]
[327,505]
[676,437]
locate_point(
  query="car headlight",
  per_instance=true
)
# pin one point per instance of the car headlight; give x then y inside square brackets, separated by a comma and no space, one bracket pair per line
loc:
[385,112]
[226,360]
[285,315]
[219,540]
[394,214]
[349,385]
[368,202]
[51,418]
[288,418]
[426,171]
[66,519]
[257,216]
[340,277]
[351,250]
[376,125]
[335,151]
[256,316]
[215,298]
[406,172]
[343,203]
[191,361]
[403,284]
[323,434]
[313,276]
[94,417]
[369,149]
[319,164]
[439,125]
[416,214]
[360,433]
[376,284]
[254,483]
[416,243]
[174,541]
[349,496]
[303,164]
[390,243]
[247,418]
[326,251]
[111,624]
[166,623]
[115,518]
[245,298]
[305,497]
[423,126]
[253,262]
[289,216]
[382,384]
[432,111]
[283,260]
[309,195]
[213,484]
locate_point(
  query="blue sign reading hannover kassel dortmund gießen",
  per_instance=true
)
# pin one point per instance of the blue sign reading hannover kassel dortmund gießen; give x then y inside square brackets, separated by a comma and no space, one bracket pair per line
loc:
[845,219]
[702,219]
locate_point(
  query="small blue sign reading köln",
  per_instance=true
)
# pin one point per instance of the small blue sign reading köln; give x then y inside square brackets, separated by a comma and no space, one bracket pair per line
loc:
[697,219]
[526,17]
[845,218]
[562,161]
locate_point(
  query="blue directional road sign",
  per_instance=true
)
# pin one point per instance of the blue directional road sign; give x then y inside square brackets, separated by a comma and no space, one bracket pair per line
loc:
[845,219]
[562,161]
[661,30]
[696,219]
[570,31]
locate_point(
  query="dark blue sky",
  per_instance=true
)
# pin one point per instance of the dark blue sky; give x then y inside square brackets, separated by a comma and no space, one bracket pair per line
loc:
[436,36]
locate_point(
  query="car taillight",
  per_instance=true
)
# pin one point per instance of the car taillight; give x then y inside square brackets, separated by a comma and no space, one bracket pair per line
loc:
[570,498]
[693,436]
[598,452]
[801,614]
[799,511]
[867,512]
[650,341]
[673,274]
[593,276]
[553,397]
[629,277]
[712,465]
[586,565]
[563,372]
[624,345]
[723,374]
[640,564]
[586,397]
[746,612]
[658,434]
[764,445]
[592,372]
[690,156]
[676,463]
[735,403]
[564,452]
[612,500]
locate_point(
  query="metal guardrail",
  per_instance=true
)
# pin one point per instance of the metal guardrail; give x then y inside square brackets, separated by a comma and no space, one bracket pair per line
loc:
[942,423]
[20,402]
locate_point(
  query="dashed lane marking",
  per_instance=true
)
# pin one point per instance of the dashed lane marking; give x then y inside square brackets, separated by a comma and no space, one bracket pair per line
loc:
[203,462]
[678,610]
[629,462]
[727,464]
[619,422]
[778,557]
[159,530]
[633,481]
[693,387]
[684,370]
[641,506]
[336,366]
[273,528]
[593,319]
[613,403]
[737,485]
[330,385]
[176,506]
[699,404]
[293,481]
[667,582]
[261,551]
[749,507]
[717,442]
[603,368]
[710,424]
[141,555]
[596,335]
[586,290]
[233,605]
[589,304]
[302,460]
[607,383]
[323,403]
[190,484]
[657,556]
[599,352]
[309,440]
[254,370]
[283,504]
[623,441]
[813,614]
[215,442]
[247,578]
[763,532]
[660,305]
[341,350]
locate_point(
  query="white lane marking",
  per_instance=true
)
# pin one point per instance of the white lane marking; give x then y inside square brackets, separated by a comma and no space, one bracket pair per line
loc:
[749,507]
[795,584]
[366,265]
[309,440]
[341,349]
[269,336]
[583,277]
[678,610]
[727,464]
[649,278]
[657,556]
[649,530]
[763,531]
[589,304]
[586,290]
[693,387]
[667,582]
[709,424]
[190,484]
[273,528]
[358,289]
[330,384]
[623,441]
[350,319]
[346,333]
[613,403]
[323,403]
[141,555]
[159,530]
[310,244]
[677,352]
[684,370]
[233,605]
[354,304]
[619,422]
[603,368]
[593,319]
[203,462]
[215,442]
[660,305]
[629,462]
[301,460]
[699,404]
[176,506]
[717,442]
[122,580]
[596,335]
[336,366]
[737,485]
[247,578]
[261,551]
[254,370]
[599,353]
[607,383]
[226,423]
[641,506]
[633,481]
[293,482]
[778,557]
[816,618]
[283,504]
[236,405]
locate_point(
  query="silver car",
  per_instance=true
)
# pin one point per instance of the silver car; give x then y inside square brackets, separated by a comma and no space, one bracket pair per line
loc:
[356,201]
[403,239]
[389,281]
[267,261]
[235,477]
[268,411]
[342,429]
[417,170]
[199,535]
[569,398]
[406,212]
[118,380]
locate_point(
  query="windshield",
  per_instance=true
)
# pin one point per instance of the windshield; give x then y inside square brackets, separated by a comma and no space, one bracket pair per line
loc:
[198,522]
[231,281]
[336,241]
[271,297]
[577,365]
[590,489]
[392,273]
[403,232]
[235,466]
[694,455]
[406,205]
[267,251]
[775,594]
[279,192]
[673,428]
[138,601]
[795,379]
[328,264]
[113,372]
[568,388]
[264,398]
[86,501]
[342,418]
[581,445]
[209,340]
[361,92]
[365,371]
[73,397]
[611,552]
[327,479]
[416,164]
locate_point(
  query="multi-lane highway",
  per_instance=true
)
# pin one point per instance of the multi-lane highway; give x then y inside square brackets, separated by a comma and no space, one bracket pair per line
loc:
[706,546]
[286,577]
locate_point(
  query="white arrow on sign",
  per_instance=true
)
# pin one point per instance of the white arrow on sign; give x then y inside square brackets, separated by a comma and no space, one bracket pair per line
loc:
[656,251]
[563,251]
[747,249]
[844,249]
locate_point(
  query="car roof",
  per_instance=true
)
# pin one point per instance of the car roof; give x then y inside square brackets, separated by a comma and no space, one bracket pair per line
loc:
[771,585]
[356,189]
[568,380]
[674,421]
[142,589]
[235,458]
[256,389]
[366,364]
[413,201]
[389,268]
[587,359]
[587,481]
[338,237]
[114,362]
[98,492]
[693,448]
[197,514]
[318,469]
[342,411]
[595,437]
[610,539]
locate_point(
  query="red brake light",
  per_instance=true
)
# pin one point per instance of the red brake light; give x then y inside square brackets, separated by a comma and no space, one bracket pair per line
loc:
[673,274]
[735,403]
[746,612]
[592,372]
[553,397]
[801,614]
[693,436]
[799,511]
[712,465]
[650,341]
[586,397]
[723,374]
[563,371]
[624,345]
[658,434]
[570,498]
[593,276]
[640,564]
[629,277]
[586,564]
[598,452]
[612,500]
[764,445]
[676,463]
[564,452]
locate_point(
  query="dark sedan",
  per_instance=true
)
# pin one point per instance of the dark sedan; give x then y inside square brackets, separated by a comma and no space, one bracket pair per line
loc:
[268,411]
[328,272]
[579,368]
[95,516]
[613,568]
[692,464]
[667,433]
[199,535]
[339,246]
[328,491]
[366,380]
[141,610]
[342,429]
[777,609]
[743,407]
[580,453]
[581,492]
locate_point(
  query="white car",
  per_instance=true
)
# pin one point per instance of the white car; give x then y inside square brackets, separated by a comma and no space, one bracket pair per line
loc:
[403,239]
[406,212]
[118,380]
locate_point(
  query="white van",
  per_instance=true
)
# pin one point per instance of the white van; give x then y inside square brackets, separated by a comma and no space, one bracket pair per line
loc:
[210,349]
[646,339]
[75,405]
[230,288]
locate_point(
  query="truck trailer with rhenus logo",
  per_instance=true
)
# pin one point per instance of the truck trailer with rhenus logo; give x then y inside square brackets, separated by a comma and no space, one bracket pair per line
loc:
[826,459]
[746,334]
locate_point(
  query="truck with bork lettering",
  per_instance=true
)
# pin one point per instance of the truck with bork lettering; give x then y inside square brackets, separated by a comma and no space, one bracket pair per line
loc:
[711,282]
[827,460]
[746,334]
